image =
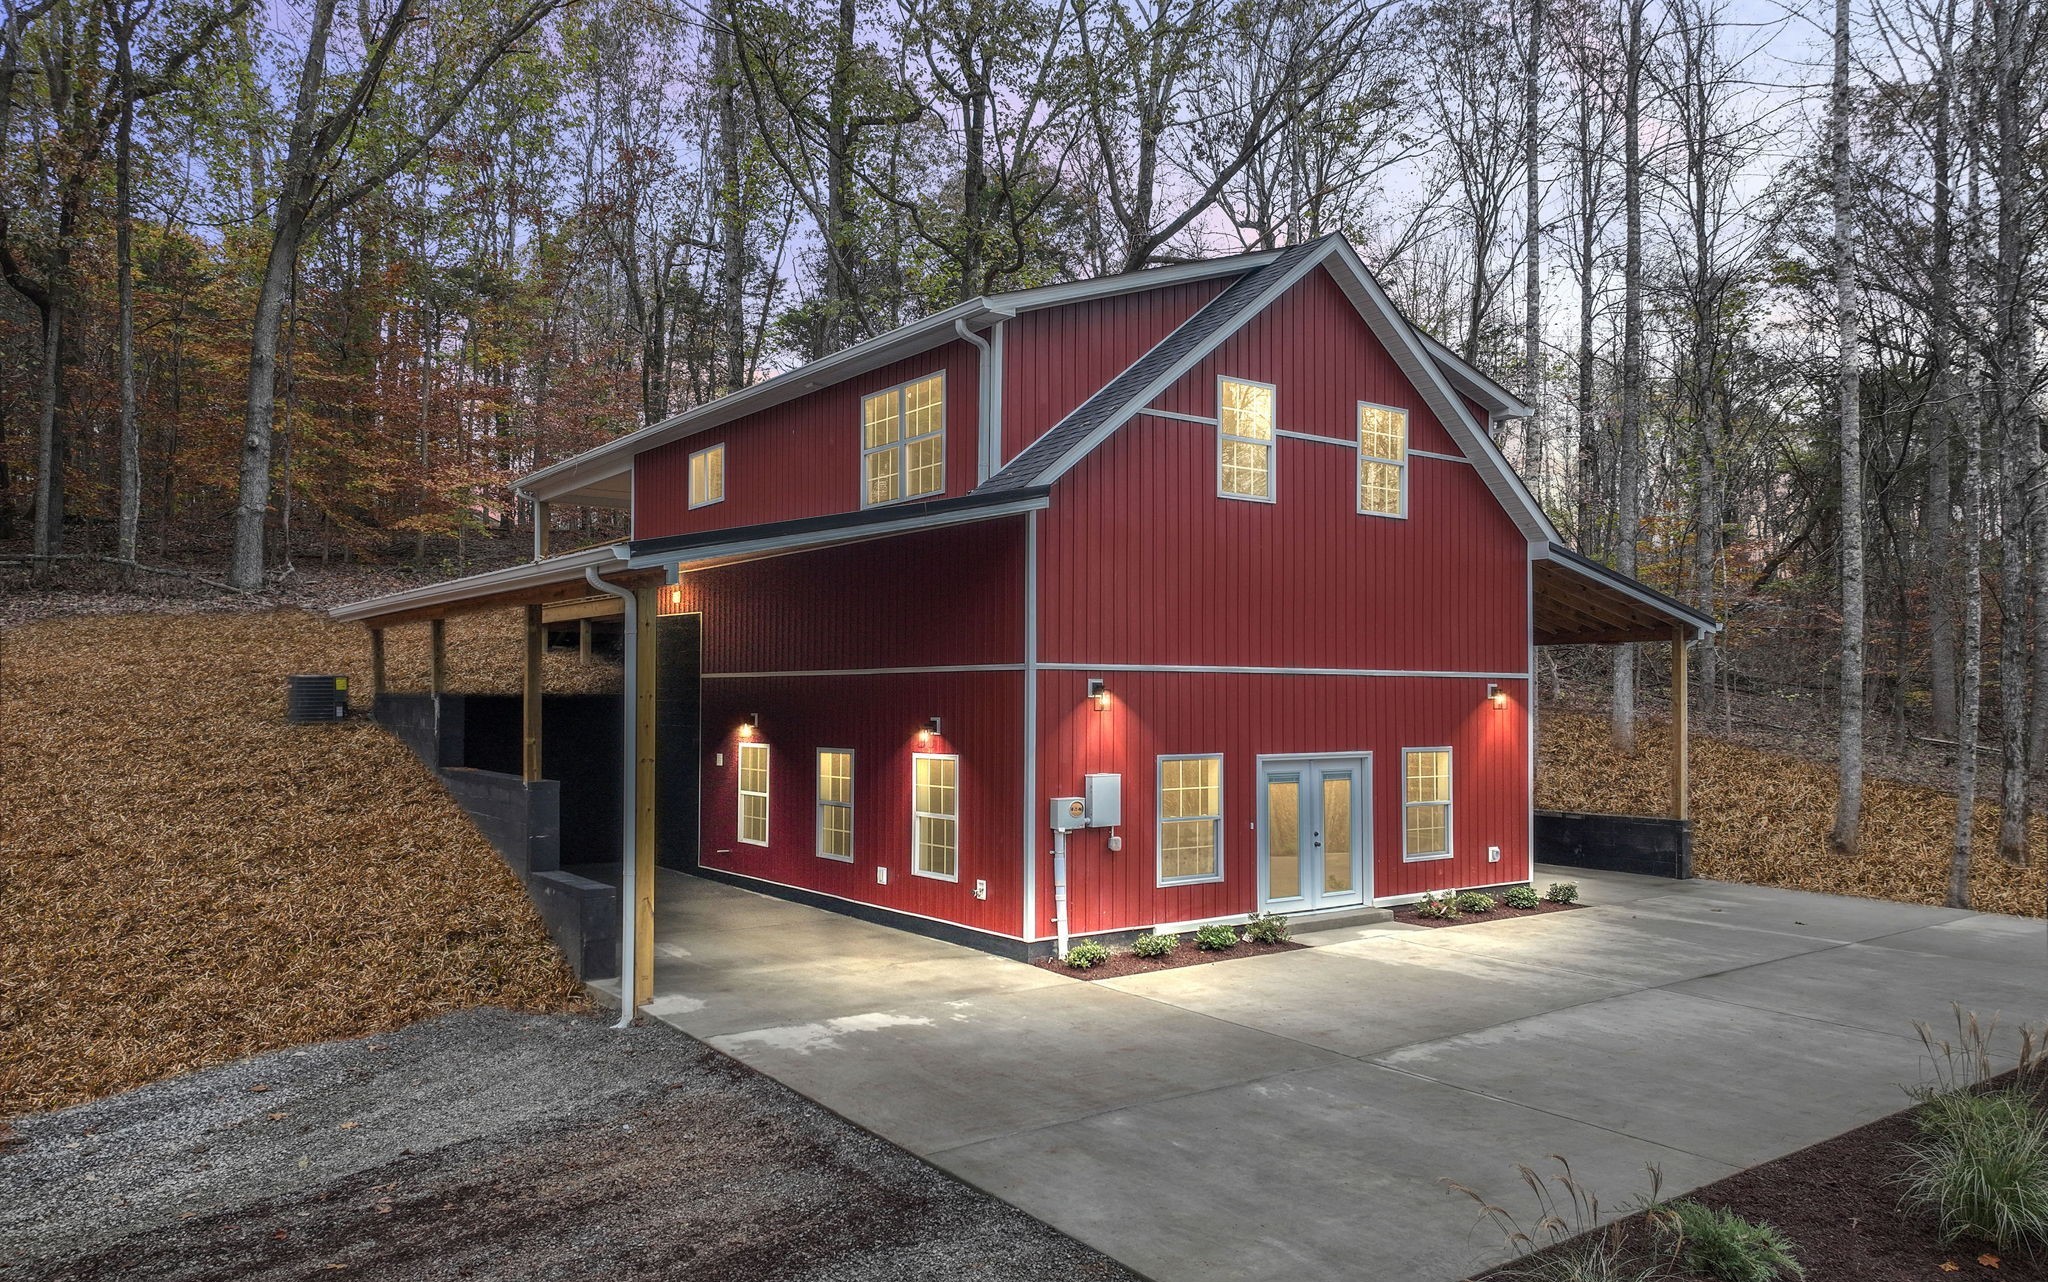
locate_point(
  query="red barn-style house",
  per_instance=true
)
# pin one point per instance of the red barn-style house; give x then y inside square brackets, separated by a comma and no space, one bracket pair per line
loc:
[1209,575]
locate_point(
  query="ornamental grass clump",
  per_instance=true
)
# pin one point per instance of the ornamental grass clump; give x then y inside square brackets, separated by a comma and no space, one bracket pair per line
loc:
[1979,1168]
[1726,1246]
[1567,1239]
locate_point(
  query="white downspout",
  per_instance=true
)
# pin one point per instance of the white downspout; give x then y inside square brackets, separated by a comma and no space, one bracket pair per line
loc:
[1059,888]
[982,426]
[629,867]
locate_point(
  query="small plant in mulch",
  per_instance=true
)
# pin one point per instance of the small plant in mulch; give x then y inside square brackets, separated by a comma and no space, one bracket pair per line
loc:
[1267,928]
[1565,1240]
[1521,897]
[1149,945]
[1215,937]
[1474,902]
[1086,955]
[1723,1245]
[1562,892]
[1437,908]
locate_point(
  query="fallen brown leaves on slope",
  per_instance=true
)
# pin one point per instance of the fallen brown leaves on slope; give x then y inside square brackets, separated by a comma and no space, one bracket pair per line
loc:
[185,879]
[1764,817]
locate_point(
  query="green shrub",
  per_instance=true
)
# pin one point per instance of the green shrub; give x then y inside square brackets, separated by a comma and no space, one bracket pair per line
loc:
[1562,892]
[1444,909]
[1086,955]
[1724,1245]
[1268,928]
[1521,897]
[1474,902]
[1980,1168]
[1215,938]
[1155,945]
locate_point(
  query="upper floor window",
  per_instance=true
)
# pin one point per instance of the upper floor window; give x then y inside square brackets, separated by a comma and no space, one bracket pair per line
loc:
[754,794]
[903,442]
[1382,460]
[707,476]
[1426,804]
[1244,443]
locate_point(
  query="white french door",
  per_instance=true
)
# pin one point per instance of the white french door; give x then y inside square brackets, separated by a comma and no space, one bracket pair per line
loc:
[1315,832]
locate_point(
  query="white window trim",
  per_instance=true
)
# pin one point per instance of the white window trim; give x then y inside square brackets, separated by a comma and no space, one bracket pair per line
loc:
[740,782]
[1362,458]
[818,791]
[901,445]
[1159,820]
[1449,804]
[916,814]
[1272,446]
[690,473]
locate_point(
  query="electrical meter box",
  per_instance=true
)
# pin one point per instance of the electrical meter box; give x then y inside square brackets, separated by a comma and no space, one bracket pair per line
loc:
[1105,797]
[1069,813]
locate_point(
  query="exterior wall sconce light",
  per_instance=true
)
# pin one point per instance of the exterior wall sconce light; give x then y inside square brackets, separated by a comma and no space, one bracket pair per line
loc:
[748,726]
[929,729]
[1497,696]
[1098,693]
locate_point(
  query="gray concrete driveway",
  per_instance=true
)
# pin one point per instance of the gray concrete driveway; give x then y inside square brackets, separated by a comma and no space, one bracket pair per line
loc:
[1293,1114]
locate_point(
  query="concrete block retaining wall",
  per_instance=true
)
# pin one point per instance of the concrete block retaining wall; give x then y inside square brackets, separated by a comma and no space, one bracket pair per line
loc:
[1655,847]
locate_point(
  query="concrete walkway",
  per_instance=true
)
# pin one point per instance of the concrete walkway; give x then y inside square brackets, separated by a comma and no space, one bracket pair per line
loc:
[1292,1114]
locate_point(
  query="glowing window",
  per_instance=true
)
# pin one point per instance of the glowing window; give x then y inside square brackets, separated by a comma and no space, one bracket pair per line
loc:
[1244,441]
[1190,819]
[903,442]
[754,794]
[935,816]
[1426,804]
[1382,460]
[835,804]
[707,476]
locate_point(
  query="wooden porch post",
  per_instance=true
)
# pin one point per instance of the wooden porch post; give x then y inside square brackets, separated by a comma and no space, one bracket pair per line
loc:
[583,643]
[643,851]
[437,659]
[376,663]
[529,702]
[1681,730]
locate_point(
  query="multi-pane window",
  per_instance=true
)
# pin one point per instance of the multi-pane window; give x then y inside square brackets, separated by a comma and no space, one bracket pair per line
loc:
[1382,460]
[707,476]
[903,442]
[835,804]
[754,794]
[1426,804]
[1244,442]
[935,816]
[1190,819]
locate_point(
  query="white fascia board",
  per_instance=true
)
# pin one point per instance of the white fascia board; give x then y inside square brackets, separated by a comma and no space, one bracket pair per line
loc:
[708,554]
[1467,379]
[1082,291]
[1405,344]
[515,578]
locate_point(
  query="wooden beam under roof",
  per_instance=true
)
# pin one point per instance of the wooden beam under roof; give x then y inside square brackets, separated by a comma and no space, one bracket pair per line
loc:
[589,607]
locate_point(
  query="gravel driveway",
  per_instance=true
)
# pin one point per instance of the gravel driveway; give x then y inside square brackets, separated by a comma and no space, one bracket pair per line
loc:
[488,1144]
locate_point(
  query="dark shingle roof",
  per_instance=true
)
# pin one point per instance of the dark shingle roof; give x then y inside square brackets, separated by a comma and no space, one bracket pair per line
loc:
[1217,318]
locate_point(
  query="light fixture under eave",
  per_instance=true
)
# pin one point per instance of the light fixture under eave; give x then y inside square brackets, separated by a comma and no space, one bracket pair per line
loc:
[748,726]
[1497,696]
[1098,693]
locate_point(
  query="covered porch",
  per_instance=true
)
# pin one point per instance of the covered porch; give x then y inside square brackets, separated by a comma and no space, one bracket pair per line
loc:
[1577,601]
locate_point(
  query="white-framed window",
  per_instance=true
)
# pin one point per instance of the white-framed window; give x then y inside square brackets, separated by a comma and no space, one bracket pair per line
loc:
[707,476]
[1190,819]
[1244,440]
[835,804]
[753,811]
[935,815]
[903,441]
[1426,803]
[1382,460]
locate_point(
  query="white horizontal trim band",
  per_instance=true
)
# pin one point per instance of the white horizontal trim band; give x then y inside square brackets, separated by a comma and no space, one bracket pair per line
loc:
[1285,672]
[861,672]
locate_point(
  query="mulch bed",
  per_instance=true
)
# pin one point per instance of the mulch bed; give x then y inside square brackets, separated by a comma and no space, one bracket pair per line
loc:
[1834,1201]
[1124,962]
[1407,913]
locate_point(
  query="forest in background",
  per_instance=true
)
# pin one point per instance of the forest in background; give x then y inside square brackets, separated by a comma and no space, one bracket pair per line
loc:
[317,280]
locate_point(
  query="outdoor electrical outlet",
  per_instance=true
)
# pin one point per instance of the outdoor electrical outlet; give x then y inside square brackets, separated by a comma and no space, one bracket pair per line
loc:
[881,876]
[981,890]
[1493,854]
[718,759]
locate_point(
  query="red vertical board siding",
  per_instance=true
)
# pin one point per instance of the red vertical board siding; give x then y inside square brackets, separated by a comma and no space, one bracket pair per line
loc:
[802,458]
[942,598]
[1243,716]
[1057,357]
[877,717]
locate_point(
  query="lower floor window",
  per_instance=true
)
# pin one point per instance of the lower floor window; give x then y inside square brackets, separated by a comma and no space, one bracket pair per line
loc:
[1426,803]
[835,803]
[1190,819]
[935,816]
[754,794]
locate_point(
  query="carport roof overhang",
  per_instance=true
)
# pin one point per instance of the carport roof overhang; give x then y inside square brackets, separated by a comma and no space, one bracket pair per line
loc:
[1581,602]
[652,562]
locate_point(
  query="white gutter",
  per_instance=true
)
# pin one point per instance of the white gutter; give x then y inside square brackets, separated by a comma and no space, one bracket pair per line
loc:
[629,864]
[981,378]
[512,578]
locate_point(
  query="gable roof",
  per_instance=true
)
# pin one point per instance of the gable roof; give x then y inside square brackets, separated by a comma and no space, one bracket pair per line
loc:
[1123,397]
[602,476]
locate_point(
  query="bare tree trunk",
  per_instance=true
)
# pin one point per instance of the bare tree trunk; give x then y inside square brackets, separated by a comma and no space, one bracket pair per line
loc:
[1589,420]
[49,523]
[732,218]
[1972,576]
[1532,248]
[1622,714]
[1950,389]
[245,568]
[124,267]
[2016,450]
[1846,839]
